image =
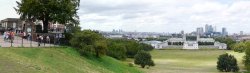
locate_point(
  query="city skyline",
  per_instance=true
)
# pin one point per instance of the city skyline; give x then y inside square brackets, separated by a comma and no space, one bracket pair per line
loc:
[157,15]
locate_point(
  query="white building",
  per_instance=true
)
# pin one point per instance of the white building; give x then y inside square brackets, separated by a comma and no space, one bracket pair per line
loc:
[220,45]
[156,44]
[190,45]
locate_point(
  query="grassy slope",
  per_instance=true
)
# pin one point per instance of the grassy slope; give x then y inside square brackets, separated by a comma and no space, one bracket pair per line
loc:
[57,60]
[187,61]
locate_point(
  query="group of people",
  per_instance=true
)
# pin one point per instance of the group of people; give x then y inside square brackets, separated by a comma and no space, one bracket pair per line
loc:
[42,39]
[9,36]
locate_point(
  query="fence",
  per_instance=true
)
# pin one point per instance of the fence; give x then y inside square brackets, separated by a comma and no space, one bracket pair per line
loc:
[19,41]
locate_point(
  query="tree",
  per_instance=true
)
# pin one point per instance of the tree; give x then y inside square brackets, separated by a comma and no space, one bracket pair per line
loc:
[55,11]
[227,63]
[89,42]
[240,47]
[146,47]
[246,59]
[143,58]
[117,50]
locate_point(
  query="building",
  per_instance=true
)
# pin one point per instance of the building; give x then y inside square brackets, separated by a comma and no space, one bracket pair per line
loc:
[209,28]
[241,33]
[156,44]
[200,31]
[190,45]
[12,23]
[224,31]
[220,45]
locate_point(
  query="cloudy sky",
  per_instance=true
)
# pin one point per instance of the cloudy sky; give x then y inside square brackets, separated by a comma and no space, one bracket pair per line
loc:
[157,15]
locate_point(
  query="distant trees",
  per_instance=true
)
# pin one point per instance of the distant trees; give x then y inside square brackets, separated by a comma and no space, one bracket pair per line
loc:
[227,63]
[123,48]
[240,47]
[143,59]
[89,42]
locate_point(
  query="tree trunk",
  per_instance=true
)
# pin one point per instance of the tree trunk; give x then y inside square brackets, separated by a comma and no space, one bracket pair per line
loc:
[45,23]
[45,26]
[143,66]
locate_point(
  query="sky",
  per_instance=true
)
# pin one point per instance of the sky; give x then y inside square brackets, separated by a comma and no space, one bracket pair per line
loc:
[157,15]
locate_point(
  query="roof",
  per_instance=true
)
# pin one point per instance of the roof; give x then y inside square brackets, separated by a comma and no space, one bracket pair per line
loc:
[11,19]
[206,40]
[152,42]
[175,40]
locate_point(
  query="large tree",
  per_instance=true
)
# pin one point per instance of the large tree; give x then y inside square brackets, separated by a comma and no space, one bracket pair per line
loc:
[55,11]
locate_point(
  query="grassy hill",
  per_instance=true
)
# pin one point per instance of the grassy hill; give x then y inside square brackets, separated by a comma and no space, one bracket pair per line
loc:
[57,60]
[188,61]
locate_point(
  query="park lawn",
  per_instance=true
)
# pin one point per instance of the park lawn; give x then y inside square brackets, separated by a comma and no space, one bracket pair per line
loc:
[57,60]
[188,61]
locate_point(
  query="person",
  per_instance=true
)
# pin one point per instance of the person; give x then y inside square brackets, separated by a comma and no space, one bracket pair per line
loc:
[48,39]
[38,40]
[12,35]
[5,35]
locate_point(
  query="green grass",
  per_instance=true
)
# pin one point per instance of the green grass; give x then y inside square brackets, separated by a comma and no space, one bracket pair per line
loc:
[188,61]
[57,60]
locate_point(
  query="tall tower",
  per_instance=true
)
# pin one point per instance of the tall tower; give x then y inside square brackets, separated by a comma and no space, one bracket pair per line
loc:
[198,38]
[184,37]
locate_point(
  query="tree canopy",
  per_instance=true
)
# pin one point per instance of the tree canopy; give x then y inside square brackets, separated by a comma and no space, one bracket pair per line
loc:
[227,63]
[144,58]
[89,42]
[55,11]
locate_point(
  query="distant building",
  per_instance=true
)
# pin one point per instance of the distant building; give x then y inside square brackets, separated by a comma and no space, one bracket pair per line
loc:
[190,45]
[220,45]
[200,31]
[156,44]
[241,33]
[224,31]
[209,28]
[12,23]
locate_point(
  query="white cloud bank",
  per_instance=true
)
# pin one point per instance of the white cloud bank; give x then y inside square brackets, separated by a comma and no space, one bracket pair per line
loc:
[165,15]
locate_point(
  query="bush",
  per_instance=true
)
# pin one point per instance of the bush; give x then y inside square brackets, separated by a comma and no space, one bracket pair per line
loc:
[227,63]
[143,59]
[117,51]
[89,42]
[146,47]
[246,59]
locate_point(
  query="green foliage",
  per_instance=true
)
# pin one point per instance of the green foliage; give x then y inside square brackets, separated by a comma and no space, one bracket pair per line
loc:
[246,60]
[229,41]
[240,47]
[227,63]
[117,51]
[58,60]
[89,42]
[60,11]
[143,59]
[146,47]
[39,29]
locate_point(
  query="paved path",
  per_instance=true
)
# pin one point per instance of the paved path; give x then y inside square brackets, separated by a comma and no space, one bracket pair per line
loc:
[18,43]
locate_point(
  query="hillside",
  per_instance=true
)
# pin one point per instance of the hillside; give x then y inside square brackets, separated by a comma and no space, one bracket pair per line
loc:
[189,61]
[57,60]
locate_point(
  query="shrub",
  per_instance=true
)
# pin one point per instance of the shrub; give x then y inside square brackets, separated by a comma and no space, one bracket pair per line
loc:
[227,63]
[117,51]
[246,59]
[143,59]
[89,42]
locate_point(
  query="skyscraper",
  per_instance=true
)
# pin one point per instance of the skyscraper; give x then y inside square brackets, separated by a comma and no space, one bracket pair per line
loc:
[241,33]
[224,31]
[209,28]
[200,31]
